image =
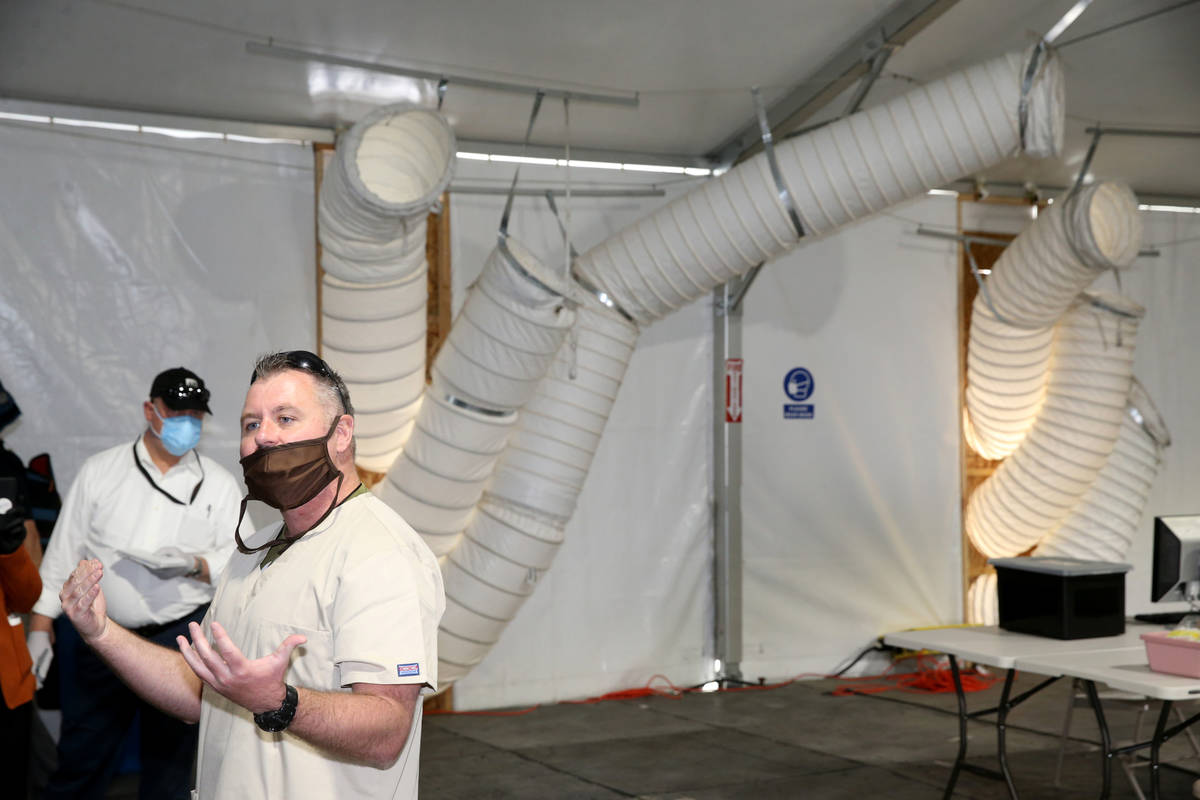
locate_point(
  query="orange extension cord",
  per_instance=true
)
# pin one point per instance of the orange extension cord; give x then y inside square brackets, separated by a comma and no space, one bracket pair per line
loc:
[929,677]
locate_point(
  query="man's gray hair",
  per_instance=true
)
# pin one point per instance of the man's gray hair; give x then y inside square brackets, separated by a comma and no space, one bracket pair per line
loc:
[331,389]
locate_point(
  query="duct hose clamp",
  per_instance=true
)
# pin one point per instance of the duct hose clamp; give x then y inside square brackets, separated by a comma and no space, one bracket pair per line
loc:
[785,196]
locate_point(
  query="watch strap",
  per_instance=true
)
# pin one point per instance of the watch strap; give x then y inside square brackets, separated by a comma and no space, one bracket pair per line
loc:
[280,718]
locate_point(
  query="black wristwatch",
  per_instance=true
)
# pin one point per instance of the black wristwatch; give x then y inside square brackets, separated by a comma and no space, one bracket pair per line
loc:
[280,718]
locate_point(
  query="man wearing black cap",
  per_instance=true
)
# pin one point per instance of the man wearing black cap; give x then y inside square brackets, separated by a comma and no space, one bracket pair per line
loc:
[160,517]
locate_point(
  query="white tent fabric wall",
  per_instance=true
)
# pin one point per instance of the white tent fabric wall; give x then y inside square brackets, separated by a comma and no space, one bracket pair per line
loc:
[851,519]
[126,254]
[1167,364]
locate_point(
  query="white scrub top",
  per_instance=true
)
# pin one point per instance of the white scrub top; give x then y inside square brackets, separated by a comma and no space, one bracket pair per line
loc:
[367,593]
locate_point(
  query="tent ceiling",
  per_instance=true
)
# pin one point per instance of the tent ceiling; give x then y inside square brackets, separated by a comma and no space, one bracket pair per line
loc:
[690,61]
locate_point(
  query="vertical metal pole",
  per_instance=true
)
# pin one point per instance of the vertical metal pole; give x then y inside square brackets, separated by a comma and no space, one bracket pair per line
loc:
[727,490]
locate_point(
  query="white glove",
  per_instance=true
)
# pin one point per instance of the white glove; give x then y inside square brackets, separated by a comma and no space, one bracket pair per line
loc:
[171,562]
[42,654]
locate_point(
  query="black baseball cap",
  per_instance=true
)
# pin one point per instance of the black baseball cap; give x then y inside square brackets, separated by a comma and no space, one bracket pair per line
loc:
[180,389]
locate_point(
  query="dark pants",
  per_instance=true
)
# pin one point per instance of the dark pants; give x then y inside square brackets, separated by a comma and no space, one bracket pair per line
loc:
[97,711]
[15,730]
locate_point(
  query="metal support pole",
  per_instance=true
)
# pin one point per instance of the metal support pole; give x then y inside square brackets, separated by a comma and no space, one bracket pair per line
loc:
[727,485]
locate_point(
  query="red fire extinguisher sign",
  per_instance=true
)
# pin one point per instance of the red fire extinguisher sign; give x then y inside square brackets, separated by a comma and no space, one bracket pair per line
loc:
[733,390]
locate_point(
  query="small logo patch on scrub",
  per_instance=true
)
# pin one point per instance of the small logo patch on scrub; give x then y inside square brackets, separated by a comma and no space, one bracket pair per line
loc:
[408,670]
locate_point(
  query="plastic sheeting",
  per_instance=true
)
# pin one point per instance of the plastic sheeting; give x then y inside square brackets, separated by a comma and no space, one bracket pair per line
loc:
[125,254]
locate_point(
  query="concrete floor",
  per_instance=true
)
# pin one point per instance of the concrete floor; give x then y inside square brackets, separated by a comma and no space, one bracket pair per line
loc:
[796,741]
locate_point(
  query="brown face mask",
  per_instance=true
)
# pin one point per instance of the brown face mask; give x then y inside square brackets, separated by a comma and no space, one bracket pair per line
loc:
[287,476]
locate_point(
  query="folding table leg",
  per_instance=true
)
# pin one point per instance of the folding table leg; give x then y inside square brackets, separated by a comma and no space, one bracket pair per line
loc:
[963,717]
[962,728]
[1001,748]
[1159,738]
[1106,752]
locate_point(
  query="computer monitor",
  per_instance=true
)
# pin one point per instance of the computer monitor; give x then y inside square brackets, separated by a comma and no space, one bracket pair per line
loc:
[1176,568]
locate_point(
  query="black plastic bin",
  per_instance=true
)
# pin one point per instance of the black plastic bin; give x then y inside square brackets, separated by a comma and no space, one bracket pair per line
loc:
[1063,598]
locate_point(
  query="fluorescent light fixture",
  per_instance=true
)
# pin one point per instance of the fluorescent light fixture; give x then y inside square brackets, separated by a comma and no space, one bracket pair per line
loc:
[235,137]
[92,123]
[545,162]
[711,686]
[594,164]
[183,133]
[1172,209]
[985,271]
[700,172]
[654,168]
[130,127]
[942,193]
[26,117]
[1066,20]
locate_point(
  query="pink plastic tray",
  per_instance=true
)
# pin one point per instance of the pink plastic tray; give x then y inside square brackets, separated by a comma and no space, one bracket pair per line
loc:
[1174,656]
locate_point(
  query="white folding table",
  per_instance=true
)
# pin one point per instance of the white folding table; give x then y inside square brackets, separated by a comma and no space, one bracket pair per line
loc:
[995,647]
[1126,670]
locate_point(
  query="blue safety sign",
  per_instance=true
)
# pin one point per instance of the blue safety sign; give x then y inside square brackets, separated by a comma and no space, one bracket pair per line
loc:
[798,386]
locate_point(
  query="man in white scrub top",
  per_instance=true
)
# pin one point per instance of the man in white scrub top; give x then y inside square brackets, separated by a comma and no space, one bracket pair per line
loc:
[307,672]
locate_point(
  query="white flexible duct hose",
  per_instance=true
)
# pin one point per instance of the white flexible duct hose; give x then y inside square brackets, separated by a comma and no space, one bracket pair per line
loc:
[512,324]
[1103,525]
[982,603]
[548,457]
[520,521]
[1035,280]
[374,336]
[1038,486]
[388,171]
[844,171]
[438,479]
[487,577]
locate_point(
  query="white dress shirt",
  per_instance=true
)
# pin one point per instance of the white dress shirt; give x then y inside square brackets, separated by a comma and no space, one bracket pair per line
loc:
[114,506]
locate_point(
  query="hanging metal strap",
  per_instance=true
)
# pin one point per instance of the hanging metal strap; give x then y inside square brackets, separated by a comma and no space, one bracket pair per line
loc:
[1087,161]
[502,234]
[512,190]
[987,296]
[563,228]
[1035,63]
[568,249]
[785,196]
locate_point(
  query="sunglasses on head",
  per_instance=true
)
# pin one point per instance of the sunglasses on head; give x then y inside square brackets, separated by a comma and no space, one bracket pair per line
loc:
[314,365]
[185,391]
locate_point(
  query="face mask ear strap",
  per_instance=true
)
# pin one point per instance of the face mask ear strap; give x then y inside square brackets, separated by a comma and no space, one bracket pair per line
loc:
[237,536]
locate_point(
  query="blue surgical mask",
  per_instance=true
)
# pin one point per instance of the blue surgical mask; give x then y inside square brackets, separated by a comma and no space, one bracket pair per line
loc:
[179,434]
